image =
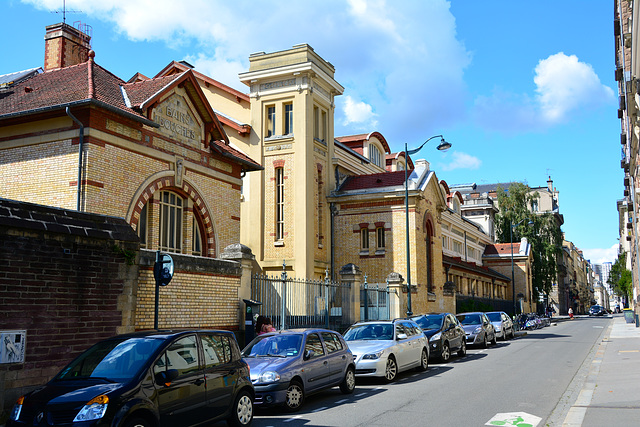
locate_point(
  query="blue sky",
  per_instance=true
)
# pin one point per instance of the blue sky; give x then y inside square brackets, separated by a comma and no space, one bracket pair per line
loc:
[523,90]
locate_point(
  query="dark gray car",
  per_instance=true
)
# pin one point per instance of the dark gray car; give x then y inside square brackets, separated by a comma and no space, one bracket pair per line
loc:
[288,365]
[445,334]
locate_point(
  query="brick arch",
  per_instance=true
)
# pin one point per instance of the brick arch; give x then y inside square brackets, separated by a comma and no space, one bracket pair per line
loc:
[186,190]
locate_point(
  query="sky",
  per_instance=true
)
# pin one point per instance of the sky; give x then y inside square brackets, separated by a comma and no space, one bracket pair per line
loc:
[523,90]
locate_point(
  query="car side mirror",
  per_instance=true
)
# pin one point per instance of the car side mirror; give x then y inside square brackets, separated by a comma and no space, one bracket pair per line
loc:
[165,378]
[402,337]
[308,354]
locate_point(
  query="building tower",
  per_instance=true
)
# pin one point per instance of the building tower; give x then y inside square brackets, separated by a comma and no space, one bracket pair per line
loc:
[292,107]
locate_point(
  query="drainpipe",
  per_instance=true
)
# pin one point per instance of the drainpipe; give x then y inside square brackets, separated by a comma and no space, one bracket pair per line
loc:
[333,210]
[80,149]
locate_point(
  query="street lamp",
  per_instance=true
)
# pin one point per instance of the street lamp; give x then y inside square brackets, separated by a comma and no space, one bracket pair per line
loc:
[513,280]
[443,146]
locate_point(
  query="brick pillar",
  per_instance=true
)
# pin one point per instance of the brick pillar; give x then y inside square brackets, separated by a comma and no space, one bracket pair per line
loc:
[351,273]
[242,254]
[397,304]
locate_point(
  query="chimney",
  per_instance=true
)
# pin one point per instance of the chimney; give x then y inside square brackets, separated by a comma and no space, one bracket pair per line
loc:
[65,46]
[550,185]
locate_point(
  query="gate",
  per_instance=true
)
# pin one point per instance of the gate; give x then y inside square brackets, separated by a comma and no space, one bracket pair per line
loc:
[374,301]
[298,303]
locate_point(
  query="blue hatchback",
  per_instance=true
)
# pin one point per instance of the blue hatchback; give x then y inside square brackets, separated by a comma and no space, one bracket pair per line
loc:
[288,365]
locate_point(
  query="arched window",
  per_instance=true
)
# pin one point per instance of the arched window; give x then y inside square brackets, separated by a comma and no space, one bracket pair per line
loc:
[429,253]
[374,155]
[171,211]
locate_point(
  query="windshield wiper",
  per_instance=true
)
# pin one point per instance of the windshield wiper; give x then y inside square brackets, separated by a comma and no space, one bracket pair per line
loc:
[109,380]
[271,355]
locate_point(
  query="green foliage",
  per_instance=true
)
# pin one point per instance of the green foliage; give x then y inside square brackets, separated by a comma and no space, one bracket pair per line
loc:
[620,278]
[130,256]
[473,305]
[541,230]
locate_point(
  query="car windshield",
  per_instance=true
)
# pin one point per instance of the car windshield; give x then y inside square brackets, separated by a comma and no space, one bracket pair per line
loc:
[494,317]
[116,360]
[370,331]
[431,321]
[469,319]
[285,345]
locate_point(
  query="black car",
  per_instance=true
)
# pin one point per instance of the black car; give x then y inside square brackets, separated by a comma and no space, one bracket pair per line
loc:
[445,334]
[597,310]
[156,378]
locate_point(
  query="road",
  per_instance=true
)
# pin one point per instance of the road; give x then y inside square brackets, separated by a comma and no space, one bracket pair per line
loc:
[537,374]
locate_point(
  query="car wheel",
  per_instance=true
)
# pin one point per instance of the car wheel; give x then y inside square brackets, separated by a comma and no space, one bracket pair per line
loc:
[446,352]
[242,412]
[391,370]
[137,422]
[424,360]
[494,341]
[349,383]
[463,348]
[295,396]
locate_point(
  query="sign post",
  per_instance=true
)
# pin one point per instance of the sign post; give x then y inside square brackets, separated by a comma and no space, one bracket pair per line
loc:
[163,273]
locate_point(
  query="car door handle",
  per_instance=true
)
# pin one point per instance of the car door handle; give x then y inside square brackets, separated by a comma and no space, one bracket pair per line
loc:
[199,381]
[325,362]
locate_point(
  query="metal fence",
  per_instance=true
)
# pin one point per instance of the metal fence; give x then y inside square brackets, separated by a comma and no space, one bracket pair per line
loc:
[374,301]
[302,303]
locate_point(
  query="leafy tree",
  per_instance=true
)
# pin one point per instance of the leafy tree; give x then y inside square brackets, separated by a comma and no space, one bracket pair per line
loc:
[541,230]
[620,278]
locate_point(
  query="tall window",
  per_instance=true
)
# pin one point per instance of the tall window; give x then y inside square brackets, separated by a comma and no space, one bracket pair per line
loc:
[316,122]
[364,239]
[288,118]
[279,203]
[375,156]
[170,222]
[320,208]
[196,245]
[142,227]
[380,239]
[429,256]
[271,121]
[323,126]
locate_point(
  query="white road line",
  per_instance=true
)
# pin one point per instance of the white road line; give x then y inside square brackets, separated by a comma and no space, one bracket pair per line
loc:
[288,420]
[361,394]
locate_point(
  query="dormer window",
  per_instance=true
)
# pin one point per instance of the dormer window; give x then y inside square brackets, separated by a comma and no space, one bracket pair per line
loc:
[456,205]
[375,156]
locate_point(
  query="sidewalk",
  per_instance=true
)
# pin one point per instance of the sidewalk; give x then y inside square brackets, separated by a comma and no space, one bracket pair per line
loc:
[611,392]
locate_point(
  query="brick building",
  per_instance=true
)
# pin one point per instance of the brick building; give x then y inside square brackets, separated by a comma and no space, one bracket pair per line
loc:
[151,151]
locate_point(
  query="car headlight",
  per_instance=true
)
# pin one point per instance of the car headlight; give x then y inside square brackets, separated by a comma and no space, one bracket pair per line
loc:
[478,330]
[93,410]
[269,377]
[436,337]
[17,408]
[372,356]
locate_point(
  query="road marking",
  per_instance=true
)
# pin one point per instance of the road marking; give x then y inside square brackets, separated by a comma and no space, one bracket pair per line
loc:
[288,420]
[520,419]
[341,401]
[361,394]
[628,351]
[320,409]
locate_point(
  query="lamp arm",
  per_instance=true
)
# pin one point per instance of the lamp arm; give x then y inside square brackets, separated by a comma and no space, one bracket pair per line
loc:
[410,152]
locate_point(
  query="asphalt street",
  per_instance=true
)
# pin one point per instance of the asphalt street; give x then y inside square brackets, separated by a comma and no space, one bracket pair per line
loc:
[534,376]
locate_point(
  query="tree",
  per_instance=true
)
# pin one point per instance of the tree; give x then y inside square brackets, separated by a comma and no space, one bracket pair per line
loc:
[541,230]
[620,278]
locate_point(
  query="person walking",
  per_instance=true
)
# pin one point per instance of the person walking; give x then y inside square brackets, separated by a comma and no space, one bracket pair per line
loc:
[570,313]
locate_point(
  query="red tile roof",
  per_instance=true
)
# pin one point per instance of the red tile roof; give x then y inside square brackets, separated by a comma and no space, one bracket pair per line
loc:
[502,249]
[376,180]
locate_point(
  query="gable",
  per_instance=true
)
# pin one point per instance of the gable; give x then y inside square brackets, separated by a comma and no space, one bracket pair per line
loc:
[179,119]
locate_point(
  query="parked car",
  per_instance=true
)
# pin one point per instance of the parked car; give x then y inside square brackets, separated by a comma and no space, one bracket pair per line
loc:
[445,334]
[597,310]
[502,324]
[478,328]
[385,348]
[286,366]
[146,379]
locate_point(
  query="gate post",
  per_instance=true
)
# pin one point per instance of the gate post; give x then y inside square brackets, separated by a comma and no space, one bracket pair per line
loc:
[395,281]
[242,254]
[351,274]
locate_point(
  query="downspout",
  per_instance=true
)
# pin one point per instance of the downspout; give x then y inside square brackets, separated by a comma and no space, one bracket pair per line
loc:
[332,209]
[80,150]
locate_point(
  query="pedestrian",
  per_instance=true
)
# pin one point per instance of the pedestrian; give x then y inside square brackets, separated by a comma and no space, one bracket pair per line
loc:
[570,313]
[549,312]
[263,325]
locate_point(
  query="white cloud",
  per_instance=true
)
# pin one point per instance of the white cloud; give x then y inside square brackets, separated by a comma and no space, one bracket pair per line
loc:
[601,255]
[565,84]
[358,113]
[564,87]
[462,161]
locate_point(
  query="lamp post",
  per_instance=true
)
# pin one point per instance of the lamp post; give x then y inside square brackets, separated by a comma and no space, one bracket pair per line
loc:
[443,146]
[513,280]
